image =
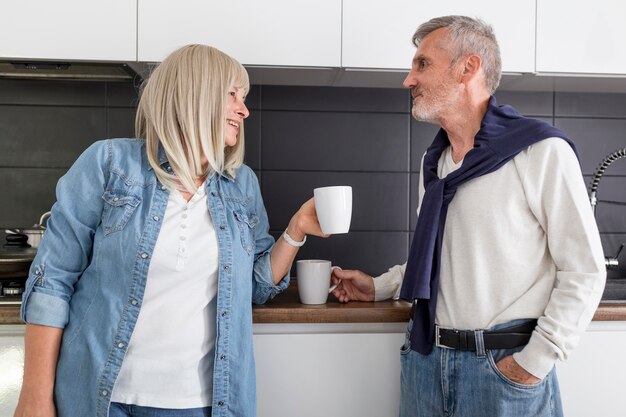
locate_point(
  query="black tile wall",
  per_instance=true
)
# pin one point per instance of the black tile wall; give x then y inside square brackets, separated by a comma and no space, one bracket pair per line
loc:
[120,122]
[324,141]
[532,104]
[379,200]
[252,138]
[590,105]
[595,139]
[27,193]
[336,99]
[299,138]
[48,136]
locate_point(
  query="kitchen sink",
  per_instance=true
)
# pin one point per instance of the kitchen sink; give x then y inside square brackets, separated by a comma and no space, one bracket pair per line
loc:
[615,290]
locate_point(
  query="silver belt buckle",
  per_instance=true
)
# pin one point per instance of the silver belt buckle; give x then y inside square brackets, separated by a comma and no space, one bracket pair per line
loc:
[438,338]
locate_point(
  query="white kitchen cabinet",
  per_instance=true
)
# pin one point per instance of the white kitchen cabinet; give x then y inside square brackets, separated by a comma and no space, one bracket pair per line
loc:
[591,380]
[348,369]
[331,370]
[11,366]
[270,32]
[85,30]
[576,36]
[378,34]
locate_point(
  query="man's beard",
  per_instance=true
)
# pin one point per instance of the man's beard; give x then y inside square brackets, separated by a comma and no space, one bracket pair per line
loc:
[432,103]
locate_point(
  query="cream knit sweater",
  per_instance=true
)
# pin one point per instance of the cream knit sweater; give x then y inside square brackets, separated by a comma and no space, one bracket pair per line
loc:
[520,242]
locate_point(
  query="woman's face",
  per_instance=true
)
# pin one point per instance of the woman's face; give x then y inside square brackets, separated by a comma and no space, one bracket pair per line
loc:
[236,111]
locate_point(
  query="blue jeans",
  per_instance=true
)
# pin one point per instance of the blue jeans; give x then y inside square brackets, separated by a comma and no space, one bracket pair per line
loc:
[130,410]
[450,382]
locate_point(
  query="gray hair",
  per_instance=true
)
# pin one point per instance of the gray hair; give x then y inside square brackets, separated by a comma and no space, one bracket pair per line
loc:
[468,36]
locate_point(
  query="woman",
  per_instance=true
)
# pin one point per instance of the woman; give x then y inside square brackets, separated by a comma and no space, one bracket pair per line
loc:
[165,239]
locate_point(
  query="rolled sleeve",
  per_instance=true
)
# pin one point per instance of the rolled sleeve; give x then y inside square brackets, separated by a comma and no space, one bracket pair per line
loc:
[46,310]
[265,288]
[66,246]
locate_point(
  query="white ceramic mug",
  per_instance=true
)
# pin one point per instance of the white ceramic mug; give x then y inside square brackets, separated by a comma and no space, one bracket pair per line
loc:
[334,208]
[314,280]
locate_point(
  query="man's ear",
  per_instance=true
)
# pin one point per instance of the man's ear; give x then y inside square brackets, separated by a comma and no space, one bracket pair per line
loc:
[471,66]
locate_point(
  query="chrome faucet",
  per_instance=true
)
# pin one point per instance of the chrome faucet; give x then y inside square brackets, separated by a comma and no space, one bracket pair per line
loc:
[610,262]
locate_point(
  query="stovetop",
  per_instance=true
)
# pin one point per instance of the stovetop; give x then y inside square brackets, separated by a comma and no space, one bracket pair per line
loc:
[10,300]
[11,290]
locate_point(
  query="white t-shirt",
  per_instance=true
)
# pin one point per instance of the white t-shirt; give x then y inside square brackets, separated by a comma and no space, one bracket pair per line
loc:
[169,361]
[520,242]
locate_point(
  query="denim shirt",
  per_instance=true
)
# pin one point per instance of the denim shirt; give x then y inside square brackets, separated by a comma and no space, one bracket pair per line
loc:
[90,271]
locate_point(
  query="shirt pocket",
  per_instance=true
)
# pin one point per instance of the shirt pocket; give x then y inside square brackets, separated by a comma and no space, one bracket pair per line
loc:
[246,223]
[118,208]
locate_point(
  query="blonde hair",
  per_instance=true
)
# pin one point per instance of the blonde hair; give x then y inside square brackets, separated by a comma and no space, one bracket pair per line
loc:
[183,108]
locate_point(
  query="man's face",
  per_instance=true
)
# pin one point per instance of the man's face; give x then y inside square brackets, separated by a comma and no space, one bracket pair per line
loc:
[434,87]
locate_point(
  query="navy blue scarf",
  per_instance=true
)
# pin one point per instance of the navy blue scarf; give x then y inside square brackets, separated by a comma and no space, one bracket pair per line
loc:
[503,134]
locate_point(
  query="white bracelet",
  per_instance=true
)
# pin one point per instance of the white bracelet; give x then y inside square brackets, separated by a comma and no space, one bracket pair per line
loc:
[292,242]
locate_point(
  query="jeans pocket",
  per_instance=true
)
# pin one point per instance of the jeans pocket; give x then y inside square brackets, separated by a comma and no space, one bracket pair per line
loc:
[501,353]
[246,222]
[118,208]
[406,347]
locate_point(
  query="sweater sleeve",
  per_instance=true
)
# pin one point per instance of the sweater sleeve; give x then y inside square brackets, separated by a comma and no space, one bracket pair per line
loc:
[388,285]
[557,196]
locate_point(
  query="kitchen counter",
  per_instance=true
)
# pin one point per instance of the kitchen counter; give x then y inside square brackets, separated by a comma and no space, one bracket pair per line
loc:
[286,308]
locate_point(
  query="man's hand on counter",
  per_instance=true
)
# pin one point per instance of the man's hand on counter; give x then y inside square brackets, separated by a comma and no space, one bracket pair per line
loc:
[352,285]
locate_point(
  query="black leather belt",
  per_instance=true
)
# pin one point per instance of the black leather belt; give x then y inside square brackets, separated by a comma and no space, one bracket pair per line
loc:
[506,338]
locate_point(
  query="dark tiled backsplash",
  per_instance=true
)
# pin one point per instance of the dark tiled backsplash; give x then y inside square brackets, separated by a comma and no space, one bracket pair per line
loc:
[299,138]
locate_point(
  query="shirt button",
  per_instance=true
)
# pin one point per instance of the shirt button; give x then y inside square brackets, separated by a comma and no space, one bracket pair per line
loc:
[224,313]
[222,227]
[183,226]
[222,357]
[213,193]
[37,271]
[226,267]
[184,216]
[220,403]
[120,345]
[144,255]
[116,199]
[155,218]
[163,187]
[183,238]
[133,302]
[104,393]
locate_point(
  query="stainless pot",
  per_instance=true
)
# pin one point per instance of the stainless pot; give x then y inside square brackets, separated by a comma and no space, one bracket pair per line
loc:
[16,256]
[35,232]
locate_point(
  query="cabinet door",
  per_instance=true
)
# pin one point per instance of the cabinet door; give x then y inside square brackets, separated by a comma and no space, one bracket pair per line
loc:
[378,34]
[69,29]
[591,379]
[270,32]
[328,374]
[11,365]
[575,36]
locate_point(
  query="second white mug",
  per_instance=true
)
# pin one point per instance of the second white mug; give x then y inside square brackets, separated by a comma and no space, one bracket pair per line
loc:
[314,280]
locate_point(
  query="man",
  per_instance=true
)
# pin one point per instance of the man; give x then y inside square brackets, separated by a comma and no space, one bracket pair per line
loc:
[506,267]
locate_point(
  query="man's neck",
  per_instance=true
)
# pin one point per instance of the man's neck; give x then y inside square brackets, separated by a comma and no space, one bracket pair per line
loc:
[462,124]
